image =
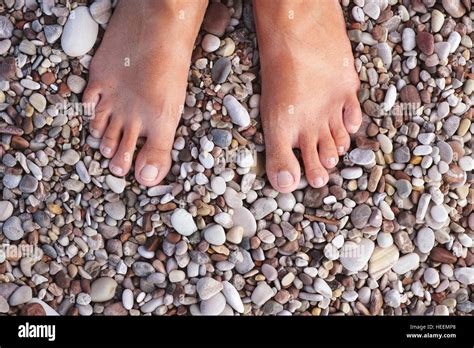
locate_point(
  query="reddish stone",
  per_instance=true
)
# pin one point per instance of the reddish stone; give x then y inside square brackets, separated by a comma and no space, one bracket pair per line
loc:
[217,19]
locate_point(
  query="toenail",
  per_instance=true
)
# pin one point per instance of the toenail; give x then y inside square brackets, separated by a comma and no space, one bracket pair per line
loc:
[341,150]
[318,182]
[107,151]
[332,161]
[116,170]
[94,133]
[149,172]
[285,179]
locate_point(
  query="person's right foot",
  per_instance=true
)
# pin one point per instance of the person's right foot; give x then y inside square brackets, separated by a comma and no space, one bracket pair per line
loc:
[138,83]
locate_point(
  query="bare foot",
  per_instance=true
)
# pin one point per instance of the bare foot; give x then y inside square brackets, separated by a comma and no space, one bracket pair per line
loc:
[309,88]
[138,82]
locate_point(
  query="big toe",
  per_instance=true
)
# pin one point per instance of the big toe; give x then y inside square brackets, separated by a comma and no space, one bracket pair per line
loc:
[283,169]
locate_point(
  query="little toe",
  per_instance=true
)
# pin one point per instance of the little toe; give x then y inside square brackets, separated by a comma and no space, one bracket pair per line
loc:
[340,136]
[122,160]
[327,150]
[283,169]
[352,115]
[316,174]
[111,139]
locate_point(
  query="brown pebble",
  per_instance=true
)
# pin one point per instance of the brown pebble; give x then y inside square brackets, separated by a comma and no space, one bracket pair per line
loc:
[33,309]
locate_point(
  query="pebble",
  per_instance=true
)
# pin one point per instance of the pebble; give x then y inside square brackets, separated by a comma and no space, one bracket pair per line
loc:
[52,33]
[214,235]
[352,173]
[221,137]
[286,201]
[127,299]
[217,19]
[101,10]
[382,260]
[321,287]
[21,295]
[12,228]
[244,218]
[392,298]
[221,70]
[425,42]
[454,8]
[354,257]
[103,289]
[208,287]
[183,222]
[237,112]
[6,28]
[117,185]
[362,157]
[38,101]
[425,240]
[360,215]
[439,213]
[176,276]
[406,263]
[232,297]
[404,188]
[76,83]
[464,275]
[80,32]
[4,306]
[116,210]
[437,21]
[235,234]
[6,210]
[262,293]
[210,43]
[262,207]
[70,157]
[214,305]
[402,154]
[218,185]
[408,39]
[431,276]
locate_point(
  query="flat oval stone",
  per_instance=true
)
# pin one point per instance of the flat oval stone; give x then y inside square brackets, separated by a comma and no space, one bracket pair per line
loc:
[382,261]
[232,297]
[207,287]
[360,215]
[213,306]
[262,207]
[351,173]
[80,32]
[183,222]
[362,157]
[355,256]
[6,28]
[214,235]
[103,289]
[13,229]
[21,295]
[6,210]
[244,218]
[116,210]
[237,112]
[406,263]
[220,70]
[425,240]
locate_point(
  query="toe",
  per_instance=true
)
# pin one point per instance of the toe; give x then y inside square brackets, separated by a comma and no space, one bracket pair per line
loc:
[154,159]
[340,136]
[316,174]
[327,150]
[283,169]
[122,160]
[100,119]
[111,139]
[352,115]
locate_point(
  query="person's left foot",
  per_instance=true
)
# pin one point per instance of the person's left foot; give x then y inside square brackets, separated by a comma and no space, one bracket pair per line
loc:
[309,88]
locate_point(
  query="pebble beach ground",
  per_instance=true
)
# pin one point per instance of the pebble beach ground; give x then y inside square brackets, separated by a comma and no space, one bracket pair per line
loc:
[391,234]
